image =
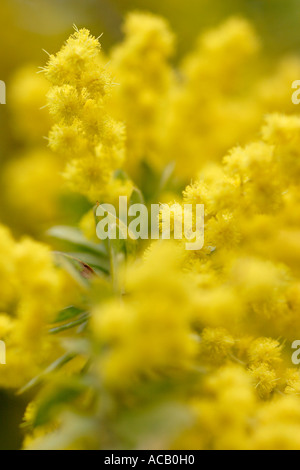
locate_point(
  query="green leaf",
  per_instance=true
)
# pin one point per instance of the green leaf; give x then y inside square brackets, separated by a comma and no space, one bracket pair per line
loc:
[72,324]
[56,365]
[121,175]
[75,237]
[166,176]
[79,270]
[68,313]
[93,260]
[73,429]
[136,197]
[59,395]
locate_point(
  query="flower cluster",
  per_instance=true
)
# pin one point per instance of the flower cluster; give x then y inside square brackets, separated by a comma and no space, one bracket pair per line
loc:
[33,290]
[86,137]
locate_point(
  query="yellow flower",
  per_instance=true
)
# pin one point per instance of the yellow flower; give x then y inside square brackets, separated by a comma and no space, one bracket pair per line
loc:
[159,330]
[144,75]
[84,133]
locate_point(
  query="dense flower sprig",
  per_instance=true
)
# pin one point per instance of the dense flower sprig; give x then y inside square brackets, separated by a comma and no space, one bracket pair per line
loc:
[91,142]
